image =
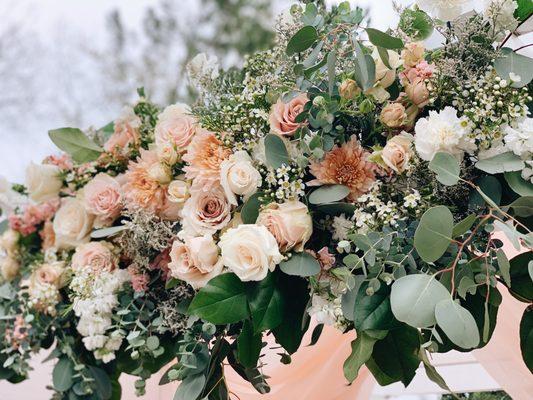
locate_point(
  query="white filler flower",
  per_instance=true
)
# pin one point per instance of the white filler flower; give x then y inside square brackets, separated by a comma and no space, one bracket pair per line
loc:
[446,10]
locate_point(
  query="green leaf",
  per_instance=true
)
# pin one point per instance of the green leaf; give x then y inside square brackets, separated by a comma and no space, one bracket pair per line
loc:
[331,61]
[74,142]
[434,232]
[466,285]
[104,388]
[373,312]
[221,301]
[152,342]
[62,375]
[248,345]
[190,388]
[396,357]
[383,39]
[521,283]
[250,209]
[526,337]
[414,298]
[365,68]
[266,303]
[108,232]
[518,184]
[506,162]
[300,264]
[337,208]
[328,194]
[464,226]
[302,40]
[524,10]
[416,24]
[362,348]
[431,372]
[523,206]
[489,191]
[446,167]
[515,63]
[457,323]
[505,267]
[510,232]
[276,152]
[317,332]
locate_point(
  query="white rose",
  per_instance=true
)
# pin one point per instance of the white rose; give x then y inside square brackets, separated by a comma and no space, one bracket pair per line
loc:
[250,251]
[178,191]
[202,66]
[239,177]
[72,224]
[43,182]
[195,261]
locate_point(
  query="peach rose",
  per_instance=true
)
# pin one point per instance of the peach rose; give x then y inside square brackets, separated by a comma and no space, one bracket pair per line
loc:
[126,133]
[349,89]
[418,92]
[289,222]
[283,115]
[175,127]
[72,224]
[393,115]
[49,274]
[47,235]
[398,152]
[95,255]
[250,251]
[103,198]
[239,177]
[413,54]
[206,212]
[43,182]
[196,261]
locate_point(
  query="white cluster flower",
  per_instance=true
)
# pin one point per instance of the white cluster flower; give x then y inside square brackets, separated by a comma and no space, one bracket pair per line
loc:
[342,227]
[412,200]
[44,297]
[500,14]
[325,311]
[94,298]
[519,138]
[286,183]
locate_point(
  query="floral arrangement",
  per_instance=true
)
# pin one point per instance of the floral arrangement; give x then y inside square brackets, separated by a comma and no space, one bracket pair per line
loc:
[347,176]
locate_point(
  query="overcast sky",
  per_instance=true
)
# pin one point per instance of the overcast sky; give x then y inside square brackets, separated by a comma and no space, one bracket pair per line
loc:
[83,19]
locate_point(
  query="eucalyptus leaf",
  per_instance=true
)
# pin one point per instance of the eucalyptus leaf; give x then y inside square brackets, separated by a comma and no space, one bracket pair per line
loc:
[384,40]
[457,323]
[329,194]
[300,264]
[190,388]
[62,375]
[504,266]
[302,40]
[514,63]
[518,184]
[434,232]
[523,206]
[365,68]
[416,24]
[446,167]
[75,143]
[276,151]
[414,298]
[331,61]
[464,225]
[506,162]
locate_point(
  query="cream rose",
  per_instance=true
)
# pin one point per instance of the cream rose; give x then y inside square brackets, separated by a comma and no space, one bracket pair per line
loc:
[49,274]
[102,197]
[175,128]
[43,182]
[239,177]
[398,152]
[289,222]
[72,224]
[413,54]
[418,92]
[178,191]
[349,89]
[98,256]
[9,242]
[250,251]
[195,261]
[393,115]
[283,115]
[206,212]
[9,267]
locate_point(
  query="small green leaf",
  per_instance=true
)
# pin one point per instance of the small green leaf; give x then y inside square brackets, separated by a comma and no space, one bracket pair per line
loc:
[464,226]
[446,167]
[414,298]
[506,162]
[302,40]
[276,152]
[384,40]
[248,346]
[250,209]
[221,301]
[516,64]
[190,388]
[301,264]
[365,68]
[518,184]
[152,342]
[315,335]
[62,375]
[74,142]
[431,372]
[504,266]
[434,232]
[329,194]
[331,61]
[362,348]
[457,323]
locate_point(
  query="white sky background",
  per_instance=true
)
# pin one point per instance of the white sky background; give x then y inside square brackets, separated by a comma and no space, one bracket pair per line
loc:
[56,23]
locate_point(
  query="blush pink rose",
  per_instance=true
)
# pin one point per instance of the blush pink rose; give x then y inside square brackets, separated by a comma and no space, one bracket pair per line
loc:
[417,92]
[289,222]
[283,116]
[175,127]
[103,198]
[195,261]
[125,135]
[98,256]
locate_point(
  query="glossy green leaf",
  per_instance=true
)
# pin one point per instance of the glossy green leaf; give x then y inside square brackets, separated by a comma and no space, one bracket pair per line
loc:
[329,194]
[414,298]
[75,143]
[526,337]
[524,10]
[382,39]
[248,345]
[373,312]
[302,40]
[457,323]
[434,232]
[276,152]
[446,167]
[521,283]
[221,301]
[362,348]
[300,264]
[266,303]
